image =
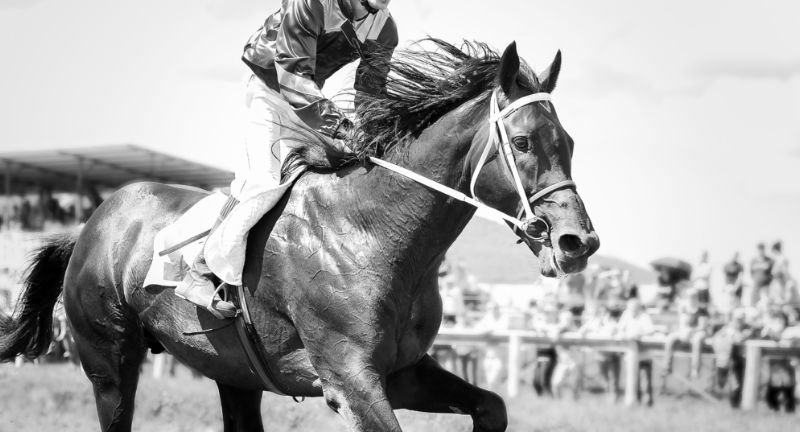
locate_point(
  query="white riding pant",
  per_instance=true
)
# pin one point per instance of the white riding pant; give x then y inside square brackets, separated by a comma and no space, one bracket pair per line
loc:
[256,185]
[266,141]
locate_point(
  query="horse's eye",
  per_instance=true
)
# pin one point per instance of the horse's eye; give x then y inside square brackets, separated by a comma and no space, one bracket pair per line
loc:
[520,142]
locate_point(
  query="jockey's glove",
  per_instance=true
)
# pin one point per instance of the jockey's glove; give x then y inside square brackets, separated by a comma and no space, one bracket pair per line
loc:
[343,130]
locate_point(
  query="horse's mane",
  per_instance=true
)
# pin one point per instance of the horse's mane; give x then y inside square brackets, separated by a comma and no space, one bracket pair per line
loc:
[422,85]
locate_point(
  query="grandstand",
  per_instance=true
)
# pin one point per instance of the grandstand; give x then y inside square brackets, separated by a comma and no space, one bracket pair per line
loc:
[48,191]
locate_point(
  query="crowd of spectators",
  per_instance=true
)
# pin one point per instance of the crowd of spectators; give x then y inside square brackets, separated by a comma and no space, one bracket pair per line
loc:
[33,213]
[697,312]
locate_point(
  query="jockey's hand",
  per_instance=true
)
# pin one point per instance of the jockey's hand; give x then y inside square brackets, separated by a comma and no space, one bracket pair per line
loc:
[341,130]
[344,129]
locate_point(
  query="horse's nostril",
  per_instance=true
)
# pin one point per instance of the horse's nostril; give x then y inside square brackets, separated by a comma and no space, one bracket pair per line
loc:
[571,244]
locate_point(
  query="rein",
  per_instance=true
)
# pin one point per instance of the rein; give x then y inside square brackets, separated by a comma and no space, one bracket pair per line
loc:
[498,139]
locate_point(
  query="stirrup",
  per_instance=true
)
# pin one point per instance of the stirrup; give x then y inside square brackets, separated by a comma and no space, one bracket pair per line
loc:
[218,298]
[221,292]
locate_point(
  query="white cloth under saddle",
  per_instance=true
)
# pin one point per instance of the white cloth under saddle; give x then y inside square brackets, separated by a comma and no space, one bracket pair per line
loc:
[169,270]
[224,249]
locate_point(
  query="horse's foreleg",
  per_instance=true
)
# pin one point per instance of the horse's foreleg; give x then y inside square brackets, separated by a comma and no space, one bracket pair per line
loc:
[427,387]
[358,394]
[241,409]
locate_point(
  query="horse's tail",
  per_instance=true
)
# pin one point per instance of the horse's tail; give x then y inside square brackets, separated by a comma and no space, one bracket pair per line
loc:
[29,330]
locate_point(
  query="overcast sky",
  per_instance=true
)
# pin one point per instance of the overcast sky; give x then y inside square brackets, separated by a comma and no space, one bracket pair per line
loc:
[686,114]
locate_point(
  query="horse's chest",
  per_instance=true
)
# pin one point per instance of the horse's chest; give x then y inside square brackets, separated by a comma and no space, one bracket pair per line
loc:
[417,333]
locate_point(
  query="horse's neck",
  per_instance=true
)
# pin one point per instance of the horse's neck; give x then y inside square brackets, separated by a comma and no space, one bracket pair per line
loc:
[420,222]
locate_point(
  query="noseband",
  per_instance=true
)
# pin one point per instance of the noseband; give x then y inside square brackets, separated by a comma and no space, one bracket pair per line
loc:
[531,226]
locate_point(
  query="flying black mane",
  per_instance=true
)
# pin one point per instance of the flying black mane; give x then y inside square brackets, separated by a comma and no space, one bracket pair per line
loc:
[422,85]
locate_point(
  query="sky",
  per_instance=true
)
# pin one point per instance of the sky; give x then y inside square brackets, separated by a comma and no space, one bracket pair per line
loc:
[685,114]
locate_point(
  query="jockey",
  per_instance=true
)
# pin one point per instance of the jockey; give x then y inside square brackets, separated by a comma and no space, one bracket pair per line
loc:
[291,56]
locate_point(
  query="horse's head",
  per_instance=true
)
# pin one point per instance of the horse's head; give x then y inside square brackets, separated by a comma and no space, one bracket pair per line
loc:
[530,173]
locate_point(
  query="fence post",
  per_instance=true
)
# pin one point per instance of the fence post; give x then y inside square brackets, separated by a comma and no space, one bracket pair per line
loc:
[631,372]
[752,372]
[514,347]
[158,365]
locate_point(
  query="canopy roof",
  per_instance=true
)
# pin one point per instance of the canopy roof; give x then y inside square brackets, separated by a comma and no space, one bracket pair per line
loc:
[105,167]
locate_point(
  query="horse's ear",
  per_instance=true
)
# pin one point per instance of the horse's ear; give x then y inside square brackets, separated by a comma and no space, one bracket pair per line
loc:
[549,76]
[509,68]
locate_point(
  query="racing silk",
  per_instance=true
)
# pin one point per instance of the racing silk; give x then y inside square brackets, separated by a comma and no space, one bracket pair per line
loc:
[306,41]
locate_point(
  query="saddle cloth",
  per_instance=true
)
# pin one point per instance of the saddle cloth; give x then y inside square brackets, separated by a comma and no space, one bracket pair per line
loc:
[224,248]
[169,270]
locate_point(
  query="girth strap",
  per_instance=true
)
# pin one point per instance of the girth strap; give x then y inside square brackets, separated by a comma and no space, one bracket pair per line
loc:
[251,343]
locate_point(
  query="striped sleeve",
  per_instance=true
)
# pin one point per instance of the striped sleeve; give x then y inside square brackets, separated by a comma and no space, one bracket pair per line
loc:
[295,62]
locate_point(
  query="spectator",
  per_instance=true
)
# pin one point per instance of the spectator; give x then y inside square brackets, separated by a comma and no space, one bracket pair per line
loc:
[703,269]
[692,328]
[765,305]
[567,371]
[670,284]
[631,290]
[597,322]
[761,274]
[571,293]
[783,290]
[466,283]
[545,322]
[453,310]
[25,214]
[781,384]
[492,364]
[733,275]
[612,292]
[703,294]
[780,264]
[634,324]
[728,358]
[464,278]
[600,323]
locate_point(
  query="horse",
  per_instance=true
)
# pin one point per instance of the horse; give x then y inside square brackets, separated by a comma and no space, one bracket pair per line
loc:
[342,280]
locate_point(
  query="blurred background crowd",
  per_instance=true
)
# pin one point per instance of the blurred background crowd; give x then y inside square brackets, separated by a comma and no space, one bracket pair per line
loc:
[703,308]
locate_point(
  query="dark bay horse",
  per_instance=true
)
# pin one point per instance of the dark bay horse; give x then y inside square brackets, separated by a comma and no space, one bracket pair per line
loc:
[343,289]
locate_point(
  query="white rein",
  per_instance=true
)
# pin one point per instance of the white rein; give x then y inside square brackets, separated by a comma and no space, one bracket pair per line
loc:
[498,139]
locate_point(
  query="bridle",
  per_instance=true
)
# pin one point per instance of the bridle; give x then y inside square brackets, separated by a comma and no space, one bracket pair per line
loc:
[527,225]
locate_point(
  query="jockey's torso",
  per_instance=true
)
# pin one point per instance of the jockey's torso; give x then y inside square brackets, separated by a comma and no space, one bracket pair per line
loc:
[306,41]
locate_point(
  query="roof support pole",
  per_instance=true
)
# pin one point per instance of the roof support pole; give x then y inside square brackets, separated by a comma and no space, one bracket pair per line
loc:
[7,193]
[8,180]
[79,192]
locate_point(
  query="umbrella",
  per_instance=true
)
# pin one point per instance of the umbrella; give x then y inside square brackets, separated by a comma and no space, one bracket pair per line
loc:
[673,265]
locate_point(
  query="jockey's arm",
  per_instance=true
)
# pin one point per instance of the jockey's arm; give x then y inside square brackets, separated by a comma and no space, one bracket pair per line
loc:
[374,65]
[295,62]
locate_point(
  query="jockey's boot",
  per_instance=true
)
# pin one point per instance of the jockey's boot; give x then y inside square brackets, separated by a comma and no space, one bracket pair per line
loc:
[197,288]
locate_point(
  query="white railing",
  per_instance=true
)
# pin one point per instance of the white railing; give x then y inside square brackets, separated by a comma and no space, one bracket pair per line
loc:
[517,340]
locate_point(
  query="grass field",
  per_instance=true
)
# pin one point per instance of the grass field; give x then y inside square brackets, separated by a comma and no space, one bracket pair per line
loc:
[59,398]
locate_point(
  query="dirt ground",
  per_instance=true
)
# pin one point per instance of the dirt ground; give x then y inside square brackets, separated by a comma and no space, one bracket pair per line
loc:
[58,397]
